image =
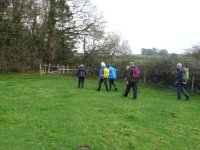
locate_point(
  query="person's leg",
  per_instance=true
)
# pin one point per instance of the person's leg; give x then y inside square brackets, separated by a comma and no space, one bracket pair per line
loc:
[179,87]
[106,85]
[100,82]
[79,82]
[114,84]
[134,86]
[185,92]
[128,87]
[82,82]
[110,82]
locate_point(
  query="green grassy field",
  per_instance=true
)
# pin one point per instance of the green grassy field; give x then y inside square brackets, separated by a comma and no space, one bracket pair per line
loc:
[49,112]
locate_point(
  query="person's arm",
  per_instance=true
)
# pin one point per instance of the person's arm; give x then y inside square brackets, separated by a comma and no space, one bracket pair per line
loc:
[77,72]
[179,74]
[115,71]
[128,76]
[100,72]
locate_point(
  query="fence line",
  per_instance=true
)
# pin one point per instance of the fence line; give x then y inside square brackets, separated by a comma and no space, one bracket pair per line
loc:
[62,69]
[55,69]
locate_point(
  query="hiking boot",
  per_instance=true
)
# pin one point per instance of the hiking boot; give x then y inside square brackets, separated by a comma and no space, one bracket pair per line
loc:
[115,89]
[134,98]
[187,97]
[97,90]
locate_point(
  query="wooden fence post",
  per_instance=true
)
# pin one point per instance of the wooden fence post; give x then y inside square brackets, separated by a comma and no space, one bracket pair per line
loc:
[45,68]
[40,69]
[58,69]
[67,69]
[63,69]
[145,75]
[192,90]
[49,68]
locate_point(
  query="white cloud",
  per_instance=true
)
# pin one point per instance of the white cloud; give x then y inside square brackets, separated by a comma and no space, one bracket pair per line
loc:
[163,24]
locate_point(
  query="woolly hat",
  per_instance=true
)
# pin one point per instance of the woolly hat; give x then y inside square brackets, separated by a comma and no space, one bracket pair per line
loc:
[131,64]
[179,65]
[82,65]
[103,64]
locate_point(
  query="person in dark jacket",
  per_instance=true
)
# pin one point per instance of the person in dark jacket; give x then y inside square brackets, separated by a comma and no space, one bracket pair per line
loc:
[126,72]
[112,77]
[130,81]
[180,82]
[101,77]
[81,73]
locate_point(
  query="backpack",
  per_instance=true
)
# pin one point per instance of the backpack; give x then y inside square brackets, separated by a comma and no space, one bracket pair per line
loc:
[135,73]
[81,73]
[185,72]
[106,73]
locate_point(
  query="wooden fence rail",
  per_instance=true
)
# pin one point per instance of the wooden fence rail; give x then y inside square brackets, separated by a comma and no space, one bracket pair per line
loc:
[55,69]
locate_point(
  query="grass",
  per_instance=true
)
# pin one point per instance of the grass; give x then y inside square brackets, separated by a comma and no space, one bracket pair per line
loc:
[50,112]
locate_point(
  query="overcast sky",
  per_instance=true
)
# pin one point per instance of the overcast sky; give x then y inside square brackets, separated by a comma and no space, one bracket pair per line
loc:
[173,25]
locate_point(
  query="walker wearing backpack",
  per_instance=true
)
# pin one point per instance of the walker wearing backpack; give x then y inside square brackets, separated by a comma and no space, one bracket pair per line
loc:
[103,75]
[182,78]
[131,80]
[81,73]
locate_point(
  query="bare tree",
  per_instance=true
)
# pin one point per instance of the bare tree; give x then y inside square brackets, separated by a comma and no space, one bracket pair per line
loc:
[113,45]
[194,51]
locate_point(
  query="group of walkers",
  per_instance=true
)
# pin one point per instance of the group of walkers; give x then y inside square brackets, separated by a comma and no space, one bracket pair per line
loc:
[109,74]
[105,74]
[131,77]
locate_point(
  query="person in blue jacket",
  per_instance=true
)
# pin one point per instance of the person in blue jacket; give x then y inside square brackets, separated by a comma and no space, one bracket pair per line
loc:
[112,77]
[101,77]
[180,82]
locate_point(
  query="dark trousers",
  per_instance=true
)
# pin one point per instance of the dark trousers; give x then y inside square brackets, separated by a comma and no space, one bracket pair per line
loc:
[81,82]
[105,83]
[111,82]
[132,85]
[181,89]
